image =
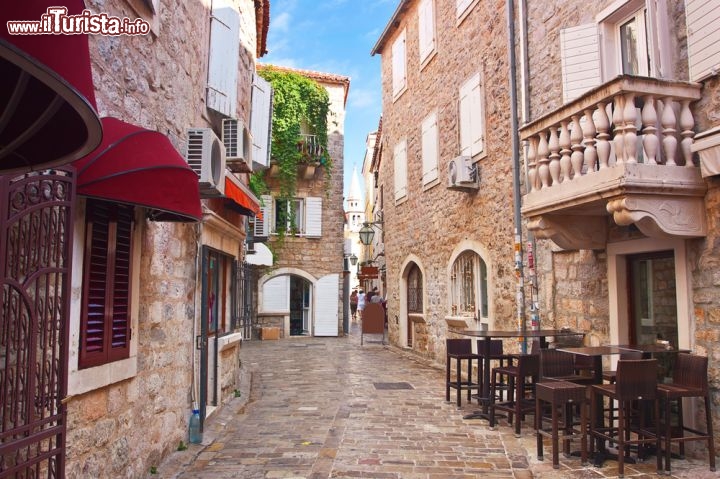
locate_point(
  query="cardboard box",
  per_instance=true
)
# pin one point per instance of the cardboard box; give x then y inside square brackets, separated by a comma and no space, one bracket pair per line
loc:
[269,333]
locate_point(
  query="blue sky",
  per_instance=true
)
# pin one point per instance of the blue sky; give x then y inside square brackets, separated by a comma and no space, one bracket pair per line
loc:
[335,36]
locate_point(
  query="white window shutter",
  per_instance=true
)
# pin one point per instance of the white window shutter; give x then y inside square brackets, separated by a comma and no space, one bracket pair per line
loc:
[398,64]
[703,37]
[313,216]
[580,57]
[327,302]
[430,149]
[426,28]
[400,165]
[465,114]
[224,57]
[462,5]
[261,121]
[262,225]
[276,294]
[477,117]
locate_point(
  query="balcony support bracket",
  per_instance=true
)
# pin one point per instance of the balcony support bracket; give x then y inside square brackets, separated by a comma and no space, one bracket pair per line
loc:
[571,232]
[661,216]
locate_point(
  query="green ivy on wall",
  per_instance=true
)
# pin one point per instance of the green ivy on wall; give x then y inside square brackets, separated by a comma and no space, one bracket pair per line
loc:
[297,101]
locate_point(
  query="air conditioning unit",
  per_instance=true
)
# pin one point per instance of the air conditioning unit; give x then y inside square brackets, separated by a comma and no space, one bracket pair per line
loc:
[206,156]
[238,145]
[462,174]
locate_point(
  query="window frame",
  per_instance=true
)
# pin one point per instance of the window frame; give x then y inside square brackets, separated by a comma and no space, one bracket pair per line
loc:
[479,288]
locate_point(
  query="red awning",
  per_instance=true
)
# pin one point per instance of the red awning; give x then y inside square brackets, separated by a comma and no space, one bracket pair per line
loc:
[242,198]
[140,167]
[46,92]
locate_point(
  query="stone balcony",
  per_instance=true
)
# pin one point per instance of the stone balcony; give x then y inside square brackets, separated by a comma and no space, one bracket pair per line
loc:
[621,150]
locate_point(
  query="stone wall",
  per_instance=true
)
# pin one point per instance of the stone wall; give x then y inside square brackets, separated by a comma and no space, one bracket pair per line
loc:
[434,221]
[158,82]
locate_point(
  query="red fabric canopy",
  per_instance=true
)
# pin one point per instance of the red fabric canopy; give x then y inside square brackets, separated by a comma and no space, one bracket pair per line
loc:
[241,196]
[46,92]
[140,167]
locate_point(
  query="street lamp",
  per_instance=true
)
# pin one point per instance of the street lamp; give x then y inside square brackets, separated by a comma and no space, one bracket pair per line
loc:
[367,233]
[353,259]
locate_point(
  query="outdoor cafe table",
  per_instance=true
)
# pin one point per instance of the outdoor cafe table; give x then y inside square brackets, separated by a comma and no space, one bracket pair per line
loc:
[484,352]
[597,353]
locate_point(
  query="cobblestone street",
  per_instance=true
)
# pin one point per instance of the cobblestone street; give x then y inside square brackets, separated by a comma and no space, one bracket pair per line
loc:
[329,407]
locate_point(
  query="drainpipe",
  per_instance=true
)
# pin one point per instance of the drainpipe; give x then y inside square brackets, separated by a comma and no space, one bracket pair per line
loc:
[525,104]
[514,127]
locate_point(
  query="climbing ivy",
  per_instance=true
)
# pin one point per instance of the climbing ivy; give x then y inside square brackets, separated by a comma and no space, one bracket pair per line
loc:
[297,101]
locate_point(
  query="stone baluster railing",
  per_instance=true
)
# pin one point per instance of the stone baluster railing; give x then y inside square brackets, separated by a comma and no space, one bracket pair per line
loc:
[628,120]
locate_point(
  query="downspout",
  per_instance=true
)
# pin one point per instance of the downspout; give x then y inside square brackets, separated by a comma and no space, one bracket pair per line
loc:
[514,127]
[525,99]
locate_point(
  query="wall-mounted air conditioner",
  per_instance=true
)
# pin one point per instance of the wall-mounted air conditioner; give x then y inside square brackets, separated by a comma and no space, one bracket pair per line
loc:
[462,174]
[206,156]
[238,145]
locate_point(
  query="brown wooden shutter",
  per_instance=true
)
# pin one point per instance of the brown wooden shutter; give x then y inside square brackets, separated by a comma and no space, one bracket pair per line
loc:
[105,322]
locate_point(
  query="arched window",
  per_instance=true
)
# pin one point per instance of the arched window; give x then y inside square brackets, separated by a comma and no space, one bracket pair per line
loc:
[414,290]
[468,286]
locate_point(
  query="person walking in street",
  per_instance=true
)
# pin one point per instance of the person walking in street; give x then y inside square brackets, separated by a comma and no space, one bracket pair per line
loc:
[361,303]
[353,303]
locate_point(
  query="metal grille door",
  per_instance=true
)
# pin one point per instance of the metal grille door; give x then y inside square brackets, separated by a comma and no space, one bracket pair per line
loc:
[35,260]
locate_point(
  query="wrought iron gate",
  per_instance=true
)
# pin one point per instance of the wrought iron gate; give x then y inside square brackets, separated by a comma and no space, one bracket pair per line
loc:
[36,212]
[244,311]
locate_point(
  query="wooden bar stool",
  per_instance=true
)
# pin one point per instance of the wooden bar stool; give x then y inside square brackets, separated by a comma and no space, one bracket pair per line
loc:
[636,382]
[521,379]
[689,380]
[563,398]
[461,351]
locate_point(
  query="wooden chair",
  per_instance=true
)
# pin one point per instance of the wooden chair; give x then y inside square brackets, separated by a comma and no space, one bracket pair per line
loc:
[690,380]
[636,381]
[520,379]
[610,375]
[373,321]
[460,350]
[496,355]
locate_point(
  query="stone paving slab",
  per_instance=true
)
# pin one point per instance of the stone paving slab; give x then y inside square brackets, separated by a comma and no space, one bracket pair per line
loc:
[310,409]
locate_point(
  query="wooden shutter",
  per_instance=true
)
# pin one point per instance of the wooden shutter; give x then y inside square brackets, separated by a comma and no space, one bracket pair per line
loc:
[399,77]
[313,217]
[472,117]
[580,59]
[105,322]
[224,57]
[327,301]
[426,28]
[263,221]
[261,121]
[430,148]
[703,37]
[400,165]
[276,294]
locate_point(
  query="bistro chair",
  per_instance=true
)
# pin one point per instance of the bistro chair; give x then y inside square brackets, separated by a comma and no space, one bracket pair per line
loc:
[460,350]
[520,379]
[636,381]
[690,380]
[559,365]
[610,375]
[497,355]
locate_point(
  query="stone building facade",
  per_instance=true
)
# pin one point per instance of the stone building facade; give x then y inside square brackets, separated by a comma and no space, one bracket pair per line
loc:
[619,161]
[126,416]
[302,293]
[432,227]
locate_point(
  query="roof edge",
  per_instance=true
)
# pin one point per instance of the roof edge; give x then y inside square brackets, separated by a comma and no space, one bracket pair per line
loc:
[393,23]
